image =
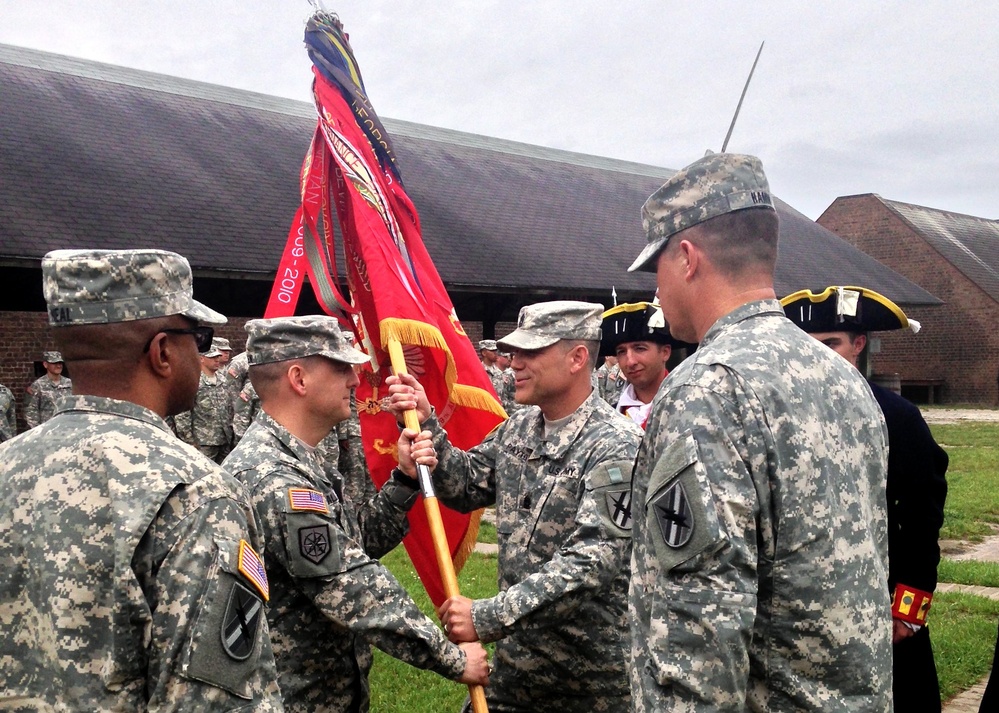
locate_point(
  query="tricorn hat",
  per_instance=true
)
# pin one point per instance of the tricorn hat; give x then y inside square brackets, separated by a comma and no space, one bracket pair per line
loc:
[634,322]
[845,309]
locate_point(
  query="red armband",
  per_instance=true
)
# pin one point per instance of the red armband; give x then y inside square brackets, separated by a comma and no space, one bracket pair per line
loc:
[911,604]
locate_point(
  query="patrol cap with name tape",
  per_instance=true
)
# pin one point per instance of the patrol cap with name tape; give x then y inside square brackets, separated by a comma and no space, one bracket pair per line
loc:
[541,325]
[845,309]
[717,184]
[52,357]
[634,322]
[488,344]
[284,338]
[110,286]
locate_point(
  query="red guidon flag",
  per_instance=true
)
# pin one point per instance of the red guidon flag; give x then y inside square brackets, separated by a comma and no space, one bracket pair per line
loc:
[395,291]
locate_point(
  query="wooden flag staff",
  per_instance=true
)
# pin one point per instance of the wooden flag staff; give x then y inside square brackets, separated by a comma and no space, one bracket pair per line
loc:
[433,510]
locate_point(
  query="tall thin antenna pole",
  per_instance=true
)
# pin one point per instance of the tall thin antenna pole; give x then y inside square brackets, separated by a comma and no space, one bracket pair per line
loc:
[737,108]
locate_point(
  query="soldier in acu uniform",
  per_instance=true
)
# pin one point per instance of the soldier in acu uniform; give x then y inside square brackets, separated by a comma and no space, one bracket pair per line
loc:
[131,579]
[8,414]
[559,474]
[208,426]
[330,599]
[42,397]
[761,539]
[840,318]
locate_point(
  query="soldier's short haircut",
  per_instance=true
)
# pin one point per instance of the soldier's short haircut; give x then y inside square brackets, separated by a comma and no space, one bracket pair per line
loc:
[738,243]
[265,377]
[592,348]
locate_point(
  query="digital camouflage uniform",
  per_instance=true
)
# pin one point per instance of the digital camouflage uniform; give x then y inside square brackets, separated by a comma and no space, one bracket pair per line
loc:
[330,599]
[610,383]
[208,426]
[42,398]
[495,375]
[508,395]
[124,549]
[8,414]
[341,453]
[760,539]
[563,528]
[236,375]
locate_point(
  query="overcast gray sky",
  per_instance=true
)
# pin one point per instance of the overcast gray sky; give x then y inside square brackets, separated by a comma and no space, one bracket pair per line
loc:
[895,98]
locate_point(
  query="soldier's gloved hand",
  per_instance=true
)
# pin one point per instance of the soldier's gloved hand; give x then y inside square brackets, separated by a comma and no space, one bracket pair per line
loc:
[406,393]
[476,665]
[456,616]
[416,448]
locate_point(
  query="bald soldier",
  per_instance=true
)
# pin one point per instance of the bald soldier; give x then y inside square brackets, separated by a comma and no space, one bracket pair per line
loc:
[132,579]
[330,598]
[558,472]
[760,541]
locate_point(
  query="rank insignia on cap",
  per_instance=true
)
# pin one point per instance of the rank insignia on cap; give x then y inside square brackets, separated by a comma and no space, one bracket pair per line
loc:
[253,569]
[672,510]
[305,499]
[314,542]
[619,507]
[239,625]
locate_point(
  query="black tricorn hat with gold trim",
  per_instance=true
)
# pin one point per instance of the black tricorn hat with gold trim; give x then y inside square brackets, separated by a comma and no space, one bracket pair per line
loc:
[634,322]
[845,309]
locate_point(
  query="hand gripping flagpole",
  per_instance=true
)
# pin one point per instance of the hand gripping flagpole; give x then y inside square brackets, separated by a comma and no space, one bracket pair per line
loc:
[448,577]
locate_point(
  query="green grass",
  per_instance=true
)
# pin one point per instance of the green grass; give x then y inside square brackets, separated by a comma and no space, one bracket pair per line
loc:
[964,626]
[964,636]
[487,532]
[399,688]
[972,479]
[981,574]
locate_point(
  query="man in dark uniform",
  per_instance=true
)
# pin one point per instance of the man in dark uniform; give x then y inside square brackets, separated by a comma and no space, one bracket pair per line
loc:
[840,318]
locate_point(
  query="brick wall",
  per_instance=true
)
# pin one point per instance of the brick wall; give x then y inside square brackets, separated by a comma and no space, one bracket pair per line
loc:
[959,341]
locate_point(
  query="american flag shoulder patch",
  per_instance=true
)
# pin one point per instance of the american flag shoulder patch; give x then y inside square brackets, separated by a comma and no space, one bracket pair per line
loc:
[306,499]
[253,569]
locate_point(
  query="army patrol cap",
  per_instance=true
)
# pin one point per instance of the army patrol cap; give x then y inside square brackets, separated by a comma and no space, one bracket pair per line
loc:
[212,352]
[284,338]
[541,325]
[714,185]
[110,286]
[488,344]
[52,357]
[222,344]
[845,309]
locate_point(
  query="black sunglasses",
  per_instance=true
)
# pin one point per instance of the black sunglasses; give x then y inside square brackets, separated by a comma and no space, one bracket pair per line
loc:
[202,337]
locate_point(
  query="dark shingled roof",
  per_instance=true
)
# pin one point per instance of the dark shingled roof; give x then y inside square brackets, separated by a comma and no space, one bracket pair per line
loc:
[94,155]
[969,243]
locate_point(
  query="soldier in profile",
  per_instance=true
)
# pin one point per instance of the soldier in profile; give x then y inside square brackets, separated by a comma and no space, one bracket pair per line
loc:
[761,539]
[132,579]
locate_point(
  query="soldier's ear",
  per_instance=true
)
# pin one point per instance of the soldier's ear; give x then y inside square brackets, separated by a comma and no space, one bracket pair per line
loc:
[159,355]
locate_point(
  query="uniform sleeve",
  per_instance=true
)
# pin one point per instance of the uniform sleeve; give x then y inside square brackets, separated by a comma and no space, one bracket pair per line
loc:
[32,406]
[917,490]
[699,540]
[350,588]
[209,646]
[592,556]
[384,518]
[464,480]
[242,415]
[183,424]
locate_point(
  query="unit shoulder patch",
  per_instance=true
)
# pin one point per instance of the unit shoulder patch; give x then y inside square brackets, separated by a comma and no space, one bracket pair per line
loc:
[240,622]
